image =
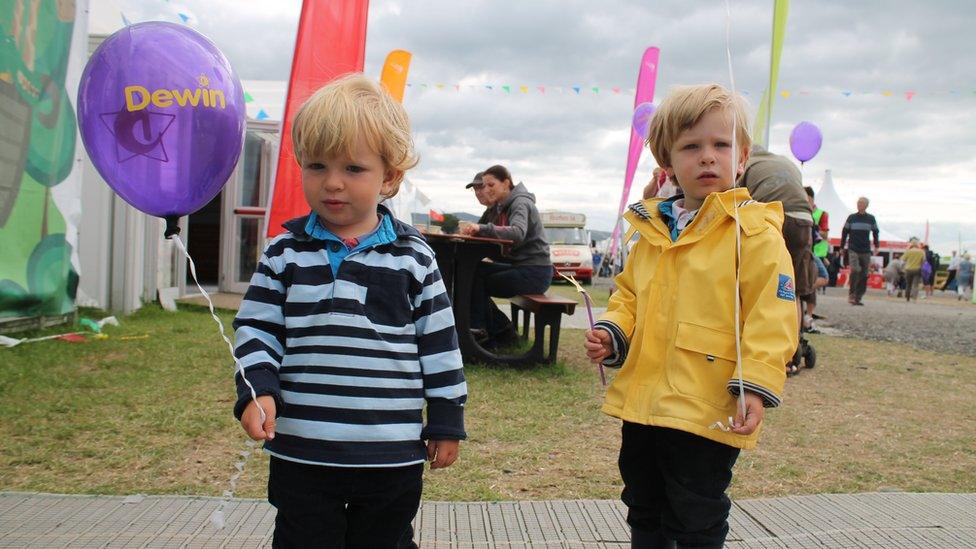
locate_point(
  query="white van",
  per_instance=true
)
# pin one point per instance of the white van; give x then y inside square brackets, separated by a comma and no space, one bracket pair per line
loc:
[569,244]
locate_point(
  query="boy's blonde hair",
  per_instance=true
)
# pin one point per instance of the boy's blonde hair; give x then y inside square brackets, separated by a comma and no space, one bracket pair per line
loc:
[331,122]
[684,107]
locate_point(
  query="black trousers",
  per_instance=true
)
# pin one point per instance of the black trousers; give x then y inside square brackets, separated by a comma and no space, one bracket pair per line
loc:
[674,487]
[503,280]
[342,507]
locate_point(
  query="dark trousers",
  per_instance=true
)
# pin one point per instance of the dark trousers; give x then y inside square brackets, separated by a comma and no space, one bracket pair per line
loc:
[912,279]
[949,279]
[503,280]
[342,507]
[674,487]
[860,262]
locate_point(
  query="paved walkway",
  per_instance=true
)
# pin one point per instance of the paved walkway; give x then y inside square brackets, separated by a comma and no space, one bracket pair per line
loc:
[883,520]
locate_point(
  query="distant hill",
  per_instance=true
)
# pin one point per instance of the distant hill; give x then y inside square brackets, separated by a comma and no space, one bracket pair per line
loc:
[422,218]
[465,216]
[599,235]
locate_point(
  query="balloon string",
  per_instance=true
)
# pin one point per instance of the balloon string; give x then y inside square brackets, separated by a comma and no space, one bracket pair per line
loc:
[735,209]
[217,517]
[230,346]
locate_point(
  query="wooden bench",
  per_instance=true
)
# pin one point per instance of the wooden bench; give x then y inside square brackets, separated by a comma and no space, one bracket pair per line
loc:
[548,311]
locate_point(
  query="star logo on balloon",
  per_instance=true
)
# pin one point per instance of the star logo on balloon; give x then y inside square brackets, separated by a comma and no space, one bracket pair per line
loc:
[138,133]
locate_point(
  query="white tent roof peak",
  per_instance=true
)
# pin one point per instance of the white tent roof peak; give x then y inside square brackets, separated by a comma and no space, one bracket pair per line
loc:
[828,200]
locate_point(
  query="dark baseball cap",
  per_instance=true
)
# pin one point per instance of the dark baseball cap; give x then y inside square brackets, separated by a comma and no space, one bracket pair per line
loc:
[476,180]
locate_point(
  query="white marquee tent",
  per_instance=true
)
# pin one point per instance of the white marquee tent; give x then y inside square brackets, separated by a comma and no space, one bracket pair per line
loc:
[827,199]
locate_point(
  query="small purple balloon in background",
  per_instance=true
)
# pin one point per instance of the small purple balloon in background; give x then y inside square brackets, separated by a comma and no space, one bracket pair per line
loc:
[642,119]
[805,141]
[161,114]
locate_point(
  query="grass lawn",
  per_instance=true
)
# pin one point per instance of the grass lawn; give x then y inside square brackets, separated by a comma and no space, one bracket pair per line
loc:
[153,415]
[598,294]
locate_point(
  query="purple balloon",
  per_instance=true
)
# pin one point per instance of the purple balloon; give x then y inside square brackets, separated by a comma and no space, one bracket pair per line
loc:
[161,114]
[642,119]
[805,141]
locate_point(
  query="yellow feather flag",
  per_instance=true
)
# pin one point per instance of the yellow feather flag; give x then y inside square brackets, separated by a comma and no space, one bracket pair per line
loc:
[394,75]
[760,132]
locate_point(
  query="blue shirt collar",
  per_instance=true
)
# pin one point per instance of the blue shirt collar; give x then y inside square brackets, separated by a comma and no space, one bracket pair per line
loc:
[667,212]
[383,234]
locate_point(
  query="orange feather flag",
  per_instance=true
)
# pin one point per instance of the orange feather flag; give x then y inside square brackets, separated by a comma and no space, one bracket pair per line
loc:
[394,75]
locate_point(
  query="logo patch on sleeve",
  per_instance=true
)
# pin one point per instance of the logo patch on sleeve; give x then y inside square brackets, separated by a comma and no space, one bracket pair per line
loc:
[786,289]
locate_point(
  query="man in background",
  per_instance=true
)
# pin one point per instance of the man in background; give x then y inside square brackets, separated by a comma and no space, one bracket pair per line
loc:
[856,242]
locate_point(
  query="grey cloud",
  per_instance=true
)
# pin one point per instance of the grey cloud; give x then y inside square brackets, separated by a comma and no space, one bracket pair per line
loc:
[571,150]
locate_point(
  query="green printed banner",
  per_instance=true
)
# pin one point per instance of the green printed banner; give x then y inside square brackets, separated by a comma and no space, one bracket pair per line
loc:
[37,155]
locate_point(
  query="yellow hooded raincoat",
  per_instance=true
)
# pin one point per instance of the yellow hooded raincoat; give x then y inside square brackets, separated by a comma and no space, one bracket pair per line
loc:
[672,317]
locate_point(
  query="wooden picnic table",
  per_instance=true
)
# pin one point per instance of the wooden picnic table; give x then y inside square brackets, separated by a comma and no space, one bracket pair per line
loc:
[458,257]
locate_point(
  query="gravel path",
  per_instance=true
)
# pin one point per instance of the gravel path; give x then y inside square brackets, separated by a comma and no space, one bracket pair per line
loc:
[940,324]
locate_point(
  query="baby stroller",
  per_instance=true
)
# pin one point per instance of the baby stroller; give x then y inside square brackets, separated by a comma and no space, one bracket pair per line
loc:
[805,356]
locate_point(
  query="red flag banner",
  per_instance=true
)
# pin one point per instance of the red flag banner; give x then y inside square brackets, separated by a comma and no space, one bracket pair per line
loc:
[434,216]
[331,42]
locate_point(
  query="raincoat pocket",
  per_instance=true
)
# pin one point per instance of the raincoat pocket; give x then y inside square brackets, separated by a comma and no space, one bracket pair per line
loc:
[703,362]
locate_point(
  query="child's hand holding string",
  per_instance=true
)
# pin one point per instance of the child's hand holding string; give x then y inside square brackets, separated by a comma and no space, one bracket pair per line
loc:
[599,345]
[251,418]
[754,415]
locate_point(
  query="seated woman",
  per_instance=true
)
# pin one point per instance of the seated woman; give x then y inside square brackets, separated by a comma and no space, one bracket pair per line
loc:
[525,269]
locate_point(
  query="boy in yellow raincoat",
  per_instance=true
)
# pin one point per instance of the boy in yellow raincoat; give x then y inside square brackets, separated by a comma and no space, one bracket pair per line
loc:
[671,325]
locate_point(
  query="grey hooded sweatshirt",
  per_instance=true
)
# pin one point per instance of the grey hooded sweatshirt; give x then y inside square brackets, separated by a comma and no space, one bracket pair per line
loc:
[517,219]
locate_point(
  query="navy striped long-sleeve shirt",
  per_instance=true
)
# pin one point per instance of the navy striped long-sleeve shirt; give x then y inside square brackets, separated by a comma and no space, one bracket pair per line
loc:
[857,233]
[352,359]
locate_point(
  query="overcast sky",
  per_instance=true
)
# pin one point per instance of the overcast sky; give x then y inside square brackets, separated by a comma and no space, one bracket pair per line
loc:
[914,159]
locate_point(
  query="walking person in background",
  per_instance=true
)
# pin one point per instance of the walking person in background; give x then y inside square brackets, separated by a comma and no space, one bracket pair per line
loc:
[953,268]
[964,278]
[856,241]
[893,273]
[821,242]
[821,226]
[929,268]
[833,268]
[913,258]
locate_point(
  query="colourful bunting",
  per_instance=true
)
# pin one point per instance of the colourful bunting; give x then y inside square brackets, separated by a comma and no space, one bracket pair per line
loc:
[262,115]
[616,90]
[247,97]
